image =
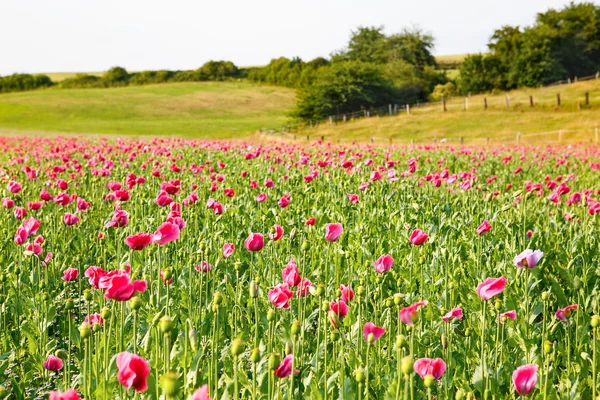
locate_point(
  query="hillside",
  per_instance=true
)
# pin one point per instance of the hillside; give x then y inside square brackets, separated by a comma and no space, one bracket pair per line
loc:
[476,124]
[203,109]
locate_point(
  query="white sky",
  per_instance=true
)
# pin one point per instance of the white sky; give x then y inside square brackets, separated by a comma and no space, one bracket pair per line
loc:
[93,35]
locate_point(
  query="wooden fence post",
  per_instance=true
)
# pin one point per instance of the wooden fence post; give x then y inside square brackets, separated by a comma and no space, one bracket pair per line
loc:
[390,106]
[587,98]
[597,75]
[307,138]
[575,81]
[372,139]
[330,120]
[344,117]
[443,104]
[530,101]
[518,138]
[408,109]
[579,105]
[560,135]
[558,99]
[461,140]
[322,138]
[507,100]
[569,81]
[485,103]
[466,103]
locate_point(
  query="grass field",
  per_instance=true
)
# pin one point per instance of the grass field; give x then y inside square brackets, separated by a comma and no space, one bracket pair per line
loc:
[476,124]
[207,109]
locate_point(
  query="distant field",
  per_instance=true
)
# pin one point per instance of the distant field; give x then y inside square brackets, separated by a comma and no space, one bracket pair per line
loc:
[203,109]
[451,58]
[476,124]
[60,76]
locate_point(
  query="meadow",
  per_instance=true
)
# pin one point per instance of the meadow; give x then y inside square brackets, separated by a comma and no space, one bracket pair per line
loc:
[205,109]
[185,269]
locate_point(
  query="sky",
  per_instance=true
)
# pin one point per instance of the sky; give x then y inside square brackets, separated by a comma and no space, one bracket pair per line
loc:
[94,35]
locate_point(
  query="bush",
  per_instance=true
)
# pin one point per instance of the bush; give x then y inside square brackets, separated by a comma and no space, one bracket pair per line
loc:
[21,82]
[443,91]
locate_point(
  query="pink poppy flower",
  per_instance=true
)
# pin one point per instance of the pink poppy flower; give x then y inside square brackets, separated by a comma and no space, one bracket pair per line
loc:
[277,234]
[428,366]
[564,313]
[290,274]
[53,363]
[70,274]
[409,314]
[508,314]
[304,288]
[70,394]
[133,371]
[119,286]
[347,294]
[491,287]
[333,232]
[418,237]
[285,367]
[94,274]
[166,233]
[70,219]
[14,187]
[454,313]
[139,240]
[528,258]
[204,267]
[311,221]
[228,249]
[525,378]
[261,198]
[120,218]
[254,242]
[8,203]
[484,228]
[94,319]
[201,394]
[280,296]
[383,263]
[353,198]
[372,329]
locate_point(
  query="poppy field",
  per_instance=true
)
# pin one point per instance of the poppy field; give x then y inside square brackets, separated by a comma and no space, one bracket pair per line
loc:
[184,269]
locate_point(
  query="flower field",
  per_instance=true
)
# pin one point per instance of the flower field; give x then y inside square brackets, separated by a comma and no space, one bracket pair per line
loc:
[180,269]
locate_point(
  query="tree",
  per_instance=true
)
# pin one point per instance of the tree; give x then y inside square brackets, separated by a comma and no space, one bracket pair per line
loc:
[116,75]
[413,47]
[367,44]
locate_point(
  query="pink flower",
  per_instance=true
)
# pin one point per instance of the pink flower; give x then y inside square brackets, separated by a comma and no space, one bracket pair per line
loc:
[333,232]
[428,366]
[70,274]
[94,319]
[304,288]
[525,378]
[564,313]
[484,228]
[280,296]
[353,198]
[409,314]
[372,329]
[347,293]
[509,314]
[528,259]
[418,237]
[163,199]
[94,274]
[261,198]
[20,236]
[204,267]
[454,313]
[254,242]
[166,233]
[290,274]
[133,371]
[119,286]
[53,363]
[284,201]
[14,187]
[120,218]
[228,249]
[491,287]
[337,310]
[8,203]
[201,394]
[139,240]
[383,263]
[278,234]
[20,212]
[70,394]
[311,221]
[70,219]
[285,368]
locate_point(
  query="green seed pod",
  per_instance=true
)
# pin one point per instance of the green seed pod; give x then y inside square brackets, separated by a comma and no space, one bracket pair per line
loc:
[426,341]
[545,296]
[595,321]
[325,306]
[85,331]
[96,327]
[236,266]
[87,295]
[460,394]
[170,384]
[156,318]
[576,283]
[253,290]
[105,313]
[497,304]
[69,304]
[334,336]
[400,341]
[45,296]
[444,341]
[305,245]
[398,299]
[450,285]
[371,338]
[360,290]
[60,353]
[237,347]
[359,375]
[289,349]
[470,396]
[257,280]
[270,315]
[165,324]
[406,365]
[429,380]
[217,298]
[296,328]
[135,303]
[548,347]
[389,302]
[255,356]
[201,246]
[193,337]
[274,360]
[147,343]
[167,274]
[320,290]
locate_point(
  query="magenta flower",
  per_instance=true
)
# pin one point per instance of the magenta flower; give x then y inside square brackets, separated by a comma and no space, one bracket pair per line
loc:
[491,287]
[528,258]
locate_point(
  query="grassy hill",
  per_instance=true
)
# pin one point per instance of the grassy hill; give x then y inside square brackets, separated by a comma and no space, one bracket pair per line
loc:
[203,109]
[476,124]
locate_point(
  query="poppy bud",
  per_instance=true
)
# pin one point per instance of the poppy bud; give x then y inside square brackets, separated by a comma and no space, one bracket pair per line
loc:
[497,304]
[253,290]
[406,365]
[320,290]
[170,384]
[389,302]
[428,380]
[3,392]
[333,336]
[304,245]
[45,297]
[69,305]
[468,332]
[370,338]
[359,375]
[105,313]
[325,306]
[547,347]
[217,298]
[85,331]
[257,279]
[165,324]
[255,356]
[270,315]
[288,348]
[87,295]
[595,321]
[274,360]
[295,328]
[444,341]
[360,290]
[451,285]
[426,341]
[460,394]
[576,283]
[201,246]
[60,353]
[237,347]
[236,266]
[168,274]
[193,336]
[544,296]
[156,318]
[96,327]
[135,303]
[334,317]
[397,299]
[400,341]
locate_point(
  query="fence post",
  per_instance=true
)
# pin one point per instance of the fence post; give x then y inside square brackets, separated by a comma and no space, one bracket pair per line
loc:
[485,103]
[530,101]
[408,109]
[395,109]
[323,139]
[461,140]
[344,117]
[307,138]
[579,105]
[372,139]
[507,100]
[560,135]
[597,75]
[518,138]
[569,81]
[365,112]
[587,98]
[575,81]
[558,99]
[466,103]
[390,106]
[443,104]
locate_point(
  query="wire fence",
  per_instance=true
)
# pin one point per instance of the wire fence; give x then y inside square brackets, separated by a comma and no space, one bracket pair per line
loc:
[509,100]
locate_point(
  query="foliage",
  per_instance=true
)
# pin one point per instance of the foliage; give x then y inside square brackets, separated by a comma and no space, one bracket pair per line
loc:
[293,73]
[21,82]
[445,91]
